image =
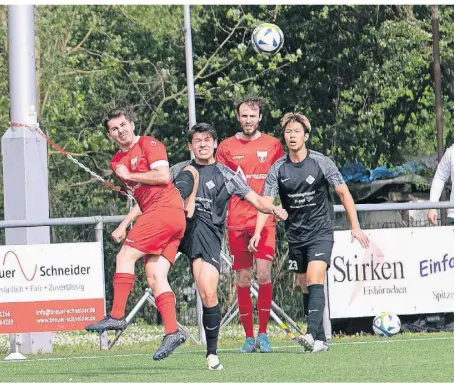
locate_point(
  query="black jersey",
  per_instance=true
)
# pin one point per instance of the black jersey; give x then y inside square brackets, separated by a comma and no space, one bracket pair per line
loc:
[304,192]
[217,183]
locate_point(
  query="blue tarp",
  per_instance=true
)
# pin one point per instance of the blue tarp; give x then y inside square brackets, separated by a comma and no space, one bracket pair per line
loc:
[357,172]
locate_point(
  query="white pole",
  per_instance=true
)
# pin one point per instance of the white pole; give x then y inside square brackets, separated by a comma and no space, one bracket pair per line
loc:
[189,66]
[192,122]
[25,177]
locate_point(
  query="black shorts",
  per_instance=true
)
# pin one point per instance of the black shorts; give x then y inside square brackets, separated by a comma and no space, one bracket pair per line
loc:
[300,257]
[199,241]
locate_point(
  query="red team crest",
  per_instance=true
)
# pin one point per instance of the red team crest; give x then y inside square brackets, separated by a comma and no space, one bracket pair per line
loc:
[262,155]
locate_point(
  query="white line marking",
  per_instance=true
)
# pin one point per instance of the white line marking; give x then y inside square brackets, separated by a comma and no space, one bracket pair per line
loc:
[221,349]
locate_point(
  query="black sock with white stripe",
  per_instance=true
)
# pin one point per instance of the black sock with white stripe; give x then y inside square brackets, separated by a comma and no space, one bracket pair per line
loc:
[315,309]
[211,319]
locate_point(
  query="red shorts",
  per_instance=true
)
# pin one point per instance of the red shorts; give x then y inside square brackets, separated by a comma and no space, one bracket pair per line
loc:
[158,231]
[238,246]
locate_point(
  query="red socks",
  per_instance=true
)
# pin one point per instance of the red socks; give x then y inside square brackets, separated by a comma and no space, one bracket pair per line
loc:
[165,303]
[123,284]
[246,310]
[264,303]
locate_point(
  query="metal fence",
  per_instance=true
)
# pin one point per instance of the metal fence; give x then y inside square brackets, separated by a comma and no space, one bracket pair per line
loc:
[286,291]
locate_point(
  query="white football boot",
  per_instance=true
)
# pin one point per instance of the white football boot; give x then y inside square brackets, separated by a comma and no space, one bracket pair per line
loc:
[213,363]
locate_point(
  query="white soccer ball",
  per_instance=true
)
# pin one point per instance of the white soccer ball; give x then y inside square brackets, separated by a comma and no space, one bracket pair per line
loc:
[267,38]
[386,324]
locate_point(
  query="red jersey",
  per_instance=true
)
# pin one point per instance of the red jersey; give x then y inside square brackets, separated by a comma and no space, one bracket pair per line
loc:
[146,154]
[252,159]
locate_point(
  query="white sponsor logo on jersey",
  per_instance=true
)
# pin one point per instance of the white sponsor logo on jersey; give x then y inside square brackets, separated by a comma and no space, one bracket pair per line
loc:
[134,163]
[262,155]
[257,176]
[310,179]
[210,184]
[239,157]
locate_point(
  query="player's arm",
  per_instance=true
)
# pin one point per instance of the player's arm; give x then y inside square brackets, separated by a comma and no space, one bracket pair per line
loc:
[119,234]
[335,179]
[156,155]
[236,185]
[348,202]
[186,180]
[158,175]
[437,186]
[265,205]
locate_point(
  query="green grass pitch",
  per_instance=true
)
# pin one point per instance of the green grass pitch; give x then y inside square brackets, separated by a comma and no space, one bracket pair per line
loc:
[403,358]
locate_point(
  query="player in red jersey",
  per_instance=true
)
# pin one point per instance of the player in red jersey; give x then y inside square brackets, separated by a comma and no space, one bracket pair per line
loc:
[141,165]
[251,154]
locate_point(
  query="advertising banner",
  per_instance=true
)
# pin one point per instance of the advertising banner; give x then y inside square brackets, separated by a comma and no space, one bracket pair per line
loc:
[404,271]
[57,287]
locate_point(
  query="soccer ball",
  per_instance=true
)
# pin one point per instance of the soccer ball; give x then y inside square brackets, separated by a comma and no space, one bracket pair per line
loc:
[267,38]
[386,324]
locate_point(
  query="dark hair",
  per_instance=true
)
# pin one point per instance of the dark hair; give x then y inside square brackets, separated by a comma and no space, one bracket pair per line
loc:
[115,113]
[202,127]
[296,117]
[252,101]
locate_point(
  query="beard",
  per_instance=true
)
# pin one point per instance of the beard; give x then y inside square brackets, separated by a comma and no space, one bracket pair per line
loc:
[249,133]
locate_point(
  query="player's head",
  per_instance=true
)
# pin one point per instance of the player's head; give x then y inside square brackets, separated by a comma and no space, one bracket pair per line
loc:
[202,141]
[119,126]
[296,130]
[249,113]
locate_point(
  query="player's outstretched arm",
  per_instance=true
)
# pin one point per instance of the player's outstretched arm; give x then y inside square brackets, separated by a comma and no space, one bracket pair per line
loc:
[265,205]
[119,234]
[348,203]
[157,176]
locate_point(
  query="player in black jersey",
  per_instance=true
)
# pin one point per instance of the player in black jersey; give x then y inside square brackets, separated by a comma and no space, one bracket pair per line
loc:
[214,186]
[302,179]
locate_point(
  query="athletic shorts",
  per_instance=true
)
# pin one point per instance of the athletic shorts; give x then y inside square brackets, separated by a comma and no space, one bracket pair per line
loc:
[238,246]
[201,241]
[301,256]
[158,231]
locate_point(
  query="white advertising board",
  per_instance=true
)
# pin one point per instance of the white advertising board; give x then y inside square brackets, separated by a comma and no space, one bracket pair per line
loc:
[50,287]
[405,271]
